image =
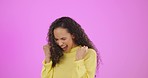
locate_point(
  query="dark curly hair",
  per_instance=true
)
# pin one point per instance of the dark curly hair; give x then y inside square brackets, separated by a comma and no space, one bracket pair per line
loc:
[74,29]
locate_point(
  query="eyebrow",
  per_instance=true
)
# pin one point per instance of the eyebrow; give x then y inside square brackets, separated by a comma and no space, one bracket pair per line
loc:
[60,38]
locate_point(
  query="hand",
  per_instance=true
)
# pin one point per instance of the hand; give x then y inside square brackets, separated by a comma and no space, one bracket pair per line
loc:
[81,52]
[46,49]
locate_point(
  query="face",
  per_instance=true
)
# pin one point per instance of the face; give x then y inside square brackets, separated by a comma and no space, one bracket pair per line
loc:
[64,39]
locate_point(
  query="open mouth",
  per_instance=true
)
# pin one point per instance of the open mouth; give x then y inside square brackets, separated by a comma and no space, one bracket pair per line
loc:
[64,48]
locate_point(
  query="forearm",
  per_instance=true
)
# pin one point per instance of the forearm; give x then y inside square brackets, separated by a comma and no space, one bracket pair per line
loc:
[81,71]
[47,69]
[86,67]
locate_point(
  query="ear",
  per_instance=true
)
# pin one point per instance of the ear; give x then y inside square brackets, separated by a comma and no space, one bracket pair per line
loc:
[73,37]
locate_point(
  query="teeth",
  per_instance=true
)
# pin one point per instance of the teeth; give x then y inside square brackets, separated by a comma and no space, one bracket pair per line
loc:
[64,48]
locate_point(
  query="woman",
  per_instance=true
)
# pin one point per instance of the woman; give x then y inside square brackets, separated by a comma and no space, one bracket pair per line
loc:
[69,52]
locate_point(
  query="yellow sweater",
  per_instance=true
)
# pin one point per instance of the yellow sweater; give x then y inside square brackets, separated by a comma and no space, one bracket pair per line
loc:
[69,68]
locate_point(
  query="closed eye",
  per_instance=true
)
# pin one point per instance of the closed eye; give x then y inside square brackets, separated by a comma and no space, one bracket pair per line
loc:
[56,39]
[63,38]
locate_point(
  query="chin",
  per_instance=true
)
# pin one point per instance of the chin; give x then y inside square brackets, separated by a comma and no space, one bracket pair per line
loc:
[66,50]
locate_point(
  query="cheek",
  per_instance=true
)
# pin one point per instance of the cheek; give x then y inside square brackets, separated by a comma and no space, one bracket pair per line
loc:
[69,42]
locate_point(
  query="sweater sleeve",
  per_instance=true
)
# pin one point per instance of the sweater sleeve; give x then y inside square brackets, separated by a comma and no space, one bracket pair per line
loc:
[86,67]
[47,70]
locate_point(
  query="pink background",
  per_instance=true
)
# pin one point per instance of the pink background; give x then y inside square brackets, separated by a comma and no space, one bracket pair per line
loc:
[118,28]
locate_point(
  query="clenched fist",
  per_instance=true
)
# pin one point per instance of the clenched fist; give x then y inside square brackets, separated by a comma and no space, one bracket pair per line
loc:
[81,52]
[46,49]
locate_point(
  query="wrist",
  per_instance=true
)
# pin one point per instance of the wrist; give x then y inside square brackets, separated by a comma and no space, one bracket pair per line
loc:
[47,59]
[78,58]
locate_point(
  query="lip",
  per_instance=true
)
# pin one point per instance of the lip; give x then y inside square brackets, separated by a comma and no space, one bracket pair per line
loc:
[64,48]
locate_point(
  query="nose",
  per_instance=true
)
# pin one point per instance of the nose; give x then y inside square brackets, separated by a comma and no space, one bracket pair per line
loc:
[60,43]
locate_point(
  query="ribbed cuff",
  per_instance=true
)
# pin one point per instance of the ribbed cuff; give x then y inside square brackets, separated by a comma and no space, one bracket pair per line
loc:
[47,65]
[79,62]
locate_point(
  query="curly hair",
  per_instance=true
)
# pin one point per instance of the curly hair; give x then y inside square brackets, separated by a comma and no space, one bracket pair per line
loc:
[74,29]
